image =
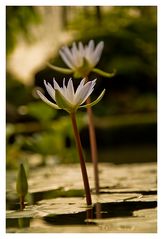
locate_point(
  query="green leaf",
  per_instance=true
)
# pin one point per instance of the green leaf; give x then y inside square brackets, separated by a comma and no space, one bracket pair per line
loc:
[62,102]
[60,69]
[95,101]
[22,183]
[35,109]
[103,73]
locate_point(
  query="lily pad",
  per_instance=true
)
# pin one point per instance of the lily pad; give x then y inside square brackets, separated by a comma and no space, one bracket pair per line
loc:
[127,201]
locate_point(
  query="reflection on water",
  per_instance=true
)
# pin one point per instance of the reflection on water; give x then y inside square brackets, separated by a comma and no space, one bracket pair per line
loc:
[80,218]
[98,211]
[18,222]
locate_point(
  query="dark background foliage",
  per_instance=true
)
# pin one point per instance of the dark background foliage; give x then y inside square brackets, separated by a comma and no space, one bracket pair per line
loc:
[126,117]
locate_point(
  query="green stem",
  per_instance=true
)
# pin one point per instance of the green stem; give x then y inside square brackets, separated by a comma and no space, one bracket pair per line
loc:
[93,143]
[82,162]
[22,205]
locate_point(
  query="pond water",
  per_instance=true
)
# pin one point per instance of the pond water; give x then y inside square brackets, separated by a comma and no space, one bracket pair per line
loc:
[98,211]
[127,201]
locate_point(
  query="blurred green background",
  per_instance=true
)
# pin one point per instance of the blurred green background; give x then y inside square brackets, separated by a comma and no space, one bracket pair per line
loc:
[125,119]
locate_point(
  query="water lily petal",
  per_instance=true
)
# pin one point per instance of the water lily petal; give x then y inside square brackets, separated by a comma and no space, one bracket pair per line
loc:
[64,89]
[80,86]
[89,53]
[64,86]
[97,53]
[62,102]
[84,93]
[66,59]
[74,52]
[56,86]
[95,101]
[70,91]
[77,59]
[90,91]
[91,45]
[47,101]
[81,49]
[50,90]
[67,52]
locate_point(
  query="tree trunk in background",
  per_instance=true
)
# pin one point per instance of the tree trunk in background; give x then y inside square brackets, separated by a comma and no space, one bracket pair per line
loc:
[86,12]
[98,14]
[64,16]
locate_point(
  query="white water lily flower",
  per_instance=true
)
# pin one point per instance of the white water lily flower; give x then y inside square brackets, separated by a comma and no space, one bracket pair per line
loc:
[66,98]
[82,56]
[81,59]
